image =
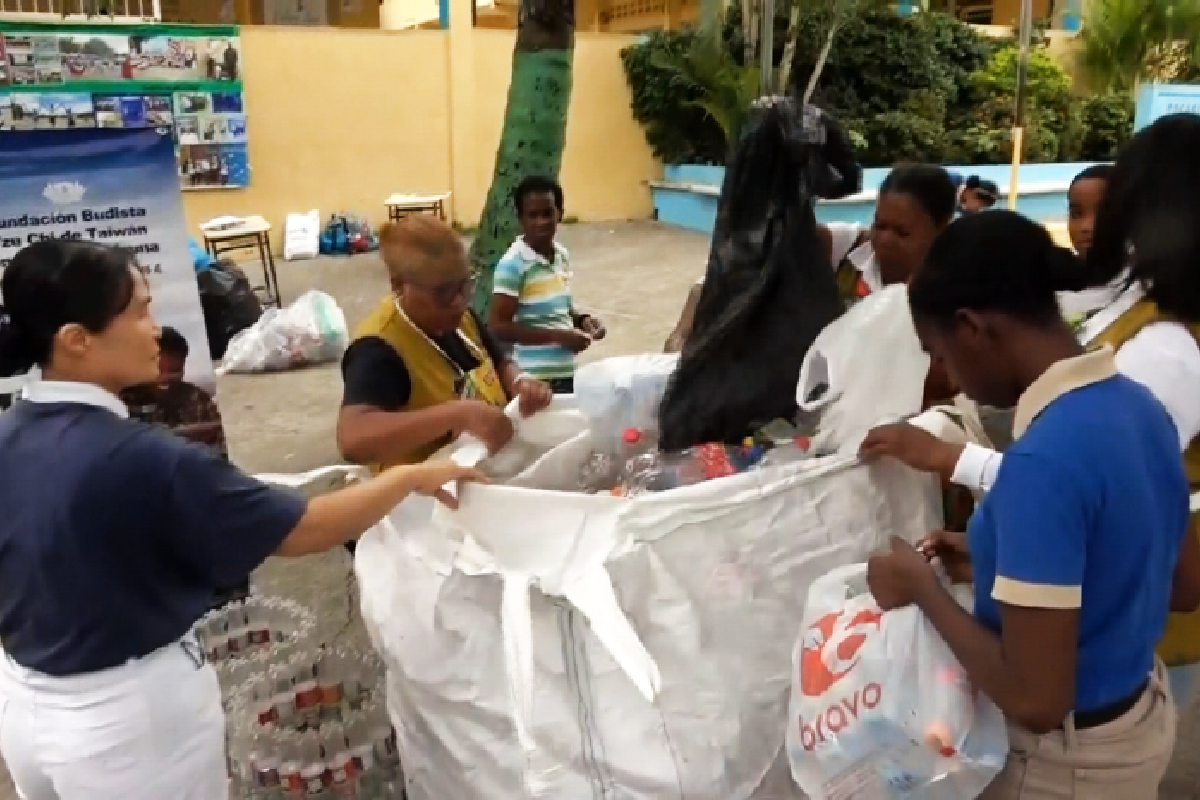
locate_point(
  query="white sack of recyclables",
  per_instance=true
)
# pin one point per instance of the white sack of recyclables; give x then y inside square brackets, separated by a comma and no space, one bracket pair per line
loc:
[542,643]
[312,330]
[880,707]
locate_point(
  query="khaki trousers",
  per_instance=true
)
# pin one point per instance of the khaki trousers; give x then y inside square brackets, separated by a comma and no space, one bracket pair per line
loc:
[1122,760]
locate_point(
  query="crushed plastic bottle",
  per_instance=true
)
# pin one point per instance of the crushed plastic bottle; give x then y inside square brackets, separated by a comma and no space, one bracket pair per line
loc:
[603,471]
[657,472]
[788,452]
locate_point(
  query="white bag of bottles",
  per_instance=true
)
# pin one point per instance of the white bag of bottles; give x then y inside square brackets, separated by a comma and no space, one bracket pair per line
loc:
[880,707]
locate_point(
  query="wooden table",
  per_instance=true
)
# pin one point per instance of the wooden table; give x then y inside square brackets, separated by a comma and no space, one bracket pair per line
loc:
[254,233]
[400,206]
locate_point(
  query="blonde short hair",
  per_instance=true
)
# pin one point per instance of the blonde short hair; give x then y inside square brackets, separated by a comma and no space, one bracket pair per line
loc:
[418,243]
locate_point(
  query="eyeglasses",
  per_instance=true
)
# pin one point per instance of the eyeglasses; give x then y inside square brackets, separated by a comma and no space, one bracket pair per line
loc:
[444,294]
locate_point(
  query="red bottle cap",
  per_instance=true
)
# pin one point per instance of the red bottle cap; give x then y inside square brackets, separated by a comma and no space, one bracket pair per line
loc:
[631,436]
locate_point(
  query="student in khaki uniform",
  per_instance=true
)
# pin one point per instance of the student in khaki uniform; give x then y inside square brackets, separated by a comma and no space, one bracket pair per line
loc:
[422,368]
[1076,551]
[1150,314]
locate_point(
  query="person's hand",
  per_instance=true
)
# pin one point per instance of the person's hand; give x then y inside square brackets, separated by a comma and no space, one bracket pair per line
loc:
[910,445]
[575,340]
[900,576]
[593,327]
[485,422]
[532,395]
[951,550]
[430,479]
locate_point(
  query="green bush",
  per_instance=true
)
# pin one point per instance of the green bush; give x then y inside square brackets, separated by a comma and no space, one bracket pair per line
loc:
[982,135]
[678,131]
[921,87]
[1107,123]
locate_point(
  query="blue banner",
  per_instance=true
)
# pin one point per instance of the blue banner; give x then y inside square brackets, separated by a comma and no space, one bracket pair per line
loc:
[120,187]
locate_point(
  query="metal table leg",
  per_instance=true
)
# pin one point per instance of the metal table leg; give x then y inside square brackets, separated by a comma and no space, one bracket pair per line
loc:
[269,266]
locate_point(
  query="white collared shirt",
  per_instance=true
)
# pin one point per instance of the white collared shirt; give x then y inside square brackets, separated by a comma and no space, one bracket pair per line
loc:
[88,394]
[1163,357]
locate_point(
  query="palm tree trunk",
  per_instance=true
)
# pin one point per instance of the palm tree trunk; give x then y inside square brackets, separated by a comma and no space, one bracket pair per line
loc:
[535,129]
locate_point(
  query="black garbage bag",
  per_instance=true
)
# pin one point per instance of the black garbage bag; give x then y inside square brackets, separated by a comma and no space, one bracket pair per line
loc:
[769,288]
[228,302]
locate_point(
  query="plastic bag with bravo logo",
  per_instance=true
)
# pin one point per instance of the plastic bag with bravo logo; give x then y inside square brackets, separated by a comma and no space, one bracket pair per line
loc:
[880,708]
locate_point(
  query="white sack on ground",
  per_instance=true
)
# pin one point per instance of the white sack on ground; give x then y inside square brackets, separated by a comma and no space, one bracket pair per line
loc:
[873,365]
[312,330]
[302,236]
[652,656]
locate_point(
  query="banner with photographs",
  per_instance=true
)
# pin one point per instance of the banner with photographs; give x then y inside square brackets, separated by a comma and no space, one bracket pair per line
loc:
[119,187]
[182,78]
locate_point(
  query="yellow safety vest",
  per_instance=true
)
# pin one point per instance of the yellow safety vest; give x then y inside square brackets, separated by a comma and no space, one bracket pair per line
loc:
[1181,641]
[434,377]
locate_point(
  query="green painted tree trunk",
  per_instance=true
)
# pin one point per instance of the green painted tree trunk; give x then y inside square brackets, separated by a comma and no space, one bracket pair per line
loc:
[534,133]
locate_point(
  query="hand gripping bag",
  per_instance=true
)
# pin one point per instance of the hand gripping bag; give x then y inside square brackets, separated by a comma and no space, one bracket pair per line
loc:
[546,644]
[880,708]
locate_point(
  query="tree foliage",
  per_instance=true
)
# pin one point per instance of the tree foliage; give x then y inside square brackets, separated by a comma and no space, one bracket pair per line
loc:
[920,87]
[1125,42]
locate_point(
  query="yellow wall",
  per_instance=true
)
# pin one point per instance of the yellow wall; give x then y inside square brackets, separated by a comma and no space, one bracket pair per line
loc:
[340,119]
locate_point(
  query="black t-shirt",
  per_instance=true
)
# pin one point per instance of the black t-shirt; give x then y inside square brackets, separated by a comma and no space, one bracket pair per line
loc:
[374,374]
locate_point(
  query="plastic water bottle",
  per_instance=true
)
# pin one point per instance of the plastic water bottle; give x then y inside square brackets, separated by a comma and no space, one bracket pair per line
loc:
[596,473]
[798,449]
[602,471]
[657,473]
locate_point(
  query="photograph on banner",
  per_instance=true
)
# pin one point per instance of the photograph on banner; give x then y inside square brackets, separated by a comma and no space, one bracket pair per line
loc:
[89,57]
[25,109]
[213,165]
[224,59]
[6,118]
[227,103]
[64,110]
[19,52]
[47,60]
[5,70]
[168,58]
[119,187]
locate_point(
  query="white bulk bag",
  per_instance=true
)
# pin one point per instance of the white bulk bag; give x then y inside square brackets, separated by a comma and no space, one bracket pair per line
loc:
[547,644]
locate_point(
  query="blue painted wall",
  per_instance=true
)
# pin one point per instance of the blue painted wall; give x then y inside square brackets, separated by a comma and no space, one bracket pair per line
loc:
[697,210]
[1159,100]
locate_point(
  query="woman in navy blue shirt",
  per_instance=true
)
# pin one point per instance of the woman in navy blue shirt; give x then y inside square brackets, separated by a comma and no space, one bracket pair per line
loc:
[113,538]
[1074,551]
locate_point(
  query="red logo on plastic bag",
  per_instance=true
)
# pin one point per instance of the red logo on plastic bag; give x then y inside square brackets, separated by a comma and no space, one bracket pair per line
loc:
[830,648]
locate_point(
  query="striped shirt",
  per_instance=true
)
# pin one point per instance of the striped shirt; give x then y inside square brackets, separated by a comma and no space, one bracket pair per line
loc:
[543,294]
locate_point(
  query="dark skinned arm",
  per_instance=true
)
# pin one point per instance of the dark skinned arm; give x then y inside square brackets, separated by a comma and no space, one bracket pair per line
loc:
[1028,672]
[509,372]
[367,435]
[1185,587]
[501,322]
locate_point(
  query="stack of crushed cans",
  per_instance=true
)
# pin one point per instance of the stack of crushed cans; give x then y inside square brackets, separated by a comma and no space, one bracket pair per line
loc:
[302,720]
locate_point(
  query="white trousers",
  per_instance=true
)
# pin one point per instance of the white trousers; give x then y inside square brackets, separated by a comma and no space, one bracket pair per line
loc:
[151,729]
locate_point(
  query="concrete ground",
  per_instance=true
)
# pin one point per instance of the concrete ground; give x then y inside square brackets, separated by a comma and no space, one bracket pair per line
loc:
[633,275]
